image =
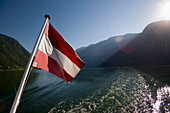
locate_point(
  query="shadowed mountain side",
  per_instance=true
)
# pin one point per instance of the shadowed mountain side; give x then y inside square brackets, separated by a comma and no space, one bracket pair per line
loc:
[12,55]
[149,48]
[96,54]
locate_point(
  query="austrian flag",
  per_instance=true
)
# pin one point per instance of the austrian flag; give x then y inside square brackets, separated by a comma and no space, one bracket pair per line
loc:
[55,55]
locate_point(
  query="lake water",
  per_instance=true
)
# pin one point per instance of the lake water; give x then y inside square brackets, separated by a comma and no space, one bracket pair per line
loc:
[100,90]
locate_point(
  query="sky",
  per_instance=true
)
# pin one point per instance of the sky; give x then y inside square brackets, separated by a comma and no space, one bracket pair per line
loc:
[80,22]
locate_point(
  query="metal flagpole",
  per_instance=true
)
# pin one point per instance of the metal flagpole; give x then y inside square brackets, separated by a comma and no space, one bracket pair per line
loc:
[27,69]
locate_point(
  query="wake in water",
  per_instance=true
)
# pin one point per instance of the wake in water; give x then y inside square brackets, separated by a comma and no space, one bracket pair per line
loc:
[124,90]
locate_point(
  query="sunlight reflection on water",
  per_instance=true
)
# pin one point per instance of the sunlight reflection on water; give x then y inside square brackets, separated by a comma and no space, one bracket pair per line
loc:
[127,91]
[163,100]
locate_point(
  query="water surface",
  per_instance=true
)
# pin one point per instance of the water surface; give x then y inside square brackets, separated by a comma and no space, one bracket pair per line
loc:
[93,90]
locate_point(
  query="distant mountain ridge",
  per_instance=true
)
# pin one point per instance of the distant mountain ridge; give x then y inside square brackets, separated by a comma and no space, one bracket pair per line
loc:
[13,56]
[151,47]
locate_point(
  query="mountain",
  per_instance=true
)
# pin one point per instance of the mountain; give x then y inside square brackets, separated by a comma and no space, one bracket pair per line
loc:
[12,55]
[151,47]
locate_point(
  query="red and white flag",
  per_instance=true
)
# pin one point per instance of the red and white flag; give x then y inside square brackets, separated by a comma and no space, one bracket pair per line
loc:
[55,55]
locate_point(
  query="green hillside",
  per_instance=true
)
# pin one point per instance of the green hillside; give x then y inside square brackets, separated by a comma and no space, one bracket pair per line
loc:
[12,55]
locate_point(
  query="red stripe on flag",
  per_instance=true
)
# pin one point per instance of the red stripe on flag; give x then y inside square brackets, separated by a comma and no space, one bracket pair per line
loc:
[47,63]
[60,44]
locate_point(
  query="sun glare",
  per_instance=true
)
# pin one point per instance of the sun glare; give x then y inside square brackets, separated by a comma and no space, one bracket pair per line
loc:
[165,10]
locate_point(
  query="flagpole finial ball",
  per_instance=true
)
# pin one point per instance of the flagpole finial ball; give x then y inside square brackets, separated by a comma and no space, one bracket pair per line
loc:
[47,16]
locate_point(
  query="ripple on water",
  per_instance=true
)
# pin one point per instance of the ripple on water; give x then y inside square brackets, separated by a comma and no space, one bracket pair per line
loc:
[129,93]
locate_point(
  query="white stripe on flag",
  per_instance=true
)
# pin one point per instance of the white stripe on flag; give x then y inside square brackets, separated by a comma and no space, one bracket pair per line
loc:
[47,48]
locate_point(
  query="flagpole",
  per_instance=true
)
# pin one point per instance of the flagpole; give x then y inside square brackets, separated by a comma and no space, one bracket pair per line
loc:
[27,69]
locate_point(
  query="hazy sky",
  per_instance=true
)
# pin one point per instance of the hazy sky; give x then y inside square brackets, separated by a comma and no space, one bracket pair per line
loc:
[80,22]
